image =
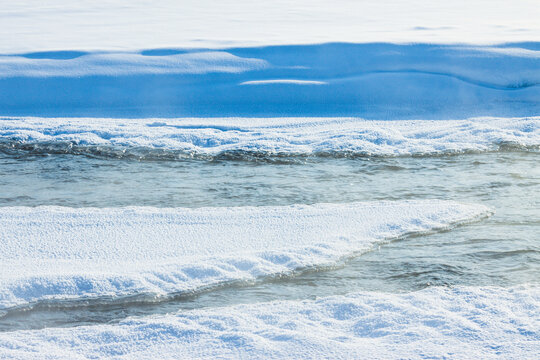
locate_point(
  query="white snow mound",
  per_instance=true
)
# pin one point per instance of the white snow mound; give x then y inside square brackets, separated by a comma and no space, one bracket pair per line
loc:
[67,253]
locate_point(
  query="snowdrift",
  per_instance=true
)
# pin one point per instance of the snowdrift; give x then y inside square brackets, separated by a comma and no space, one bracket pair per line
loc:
[372,80]
[55,253]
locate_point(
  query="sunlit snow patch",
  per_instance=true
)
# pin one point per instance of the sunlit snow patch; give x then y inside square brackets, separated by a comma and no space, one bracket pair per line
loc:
[461,323]
[67,253]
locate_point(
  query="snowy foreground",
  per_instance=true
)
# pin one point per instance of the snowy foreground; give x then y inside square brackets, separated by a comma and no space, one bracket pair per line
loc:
[65,253]
[461,323]
[269,136]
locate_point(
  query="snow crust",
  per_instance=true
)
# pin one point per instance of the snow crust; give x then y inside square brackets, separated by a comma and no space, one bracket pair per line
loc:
[379,81]
[441,323]
[31,25]
[69,253]
[116,64]
[276,136]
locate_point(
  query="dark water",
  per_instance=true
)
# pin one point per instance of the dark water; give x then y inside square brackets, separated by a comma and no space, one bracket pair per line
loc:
[503,250]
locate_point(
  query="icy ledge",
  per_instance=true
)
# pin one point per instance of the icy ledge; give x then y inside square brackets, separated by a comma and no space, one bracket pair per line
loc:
[52,253]
[271,136]
[457,323]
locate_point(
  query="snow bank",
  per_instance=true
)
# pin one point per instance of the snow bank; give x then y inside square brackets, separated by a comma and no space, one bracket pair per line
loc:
[461,323]
[117,64]
[373,80]
[276,136]
[32,25]
[66,253]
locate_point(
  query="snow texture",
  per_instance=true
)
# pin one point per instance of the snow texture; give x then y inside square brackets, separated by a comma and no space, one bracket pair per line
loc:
[32,25]
[372,80]
[276,136]
[434,323]
[67,253]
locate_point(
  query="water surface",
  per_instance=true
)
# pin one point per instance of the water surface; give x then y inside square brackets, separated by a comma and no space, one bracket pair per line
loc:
[502,250]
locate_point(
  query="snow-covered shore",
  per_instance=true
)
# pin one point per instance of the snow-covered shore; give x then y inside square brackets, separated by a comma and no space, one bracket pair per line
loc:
[269,136]
[438,322]
[65,253]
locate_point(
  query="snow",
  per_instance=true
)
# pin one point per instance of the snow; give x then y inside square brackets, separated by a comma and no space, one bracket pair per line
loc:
[283,81]
[375,81]
[283,136]
[32,25]
[273,77]
[460,323]
[68,253]
[56,64]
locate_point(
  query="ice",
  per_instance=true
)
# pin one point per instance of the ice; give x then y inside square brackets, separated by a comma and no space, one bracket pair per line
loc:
[68,253]
[437,322]
[275,136]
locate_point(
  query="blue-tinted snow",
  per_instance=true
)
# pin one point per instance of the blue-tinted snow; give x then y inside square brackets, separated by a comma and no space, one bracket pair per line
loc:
[374,81]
